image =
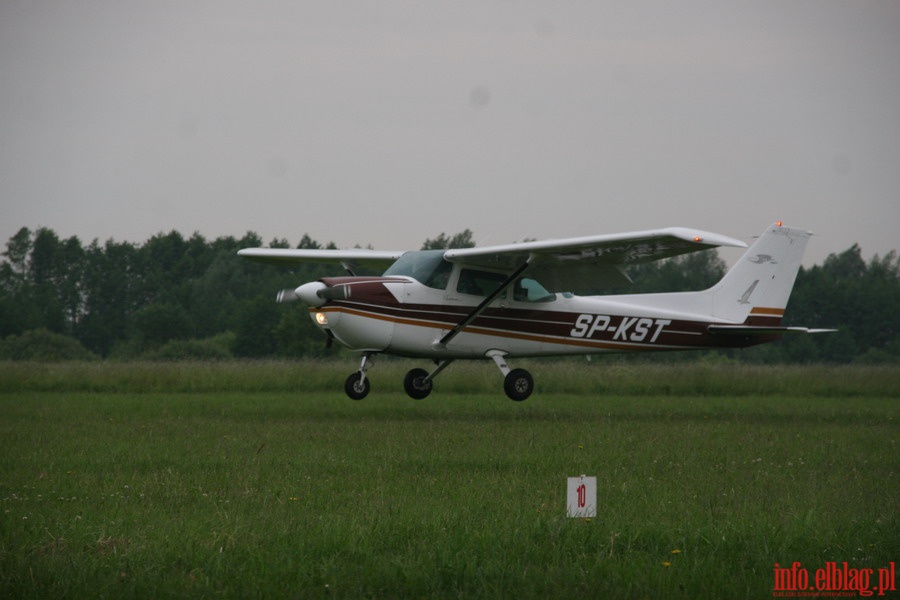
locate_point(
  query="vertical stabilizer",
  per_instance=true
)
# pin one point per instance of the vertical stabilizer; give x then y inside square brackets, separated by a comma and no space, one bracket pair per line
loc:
[756,289]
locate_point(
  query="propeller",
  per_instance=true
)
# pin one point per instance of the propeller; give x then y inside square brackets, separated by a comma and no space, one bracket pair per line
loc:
[314,293]
[285,296]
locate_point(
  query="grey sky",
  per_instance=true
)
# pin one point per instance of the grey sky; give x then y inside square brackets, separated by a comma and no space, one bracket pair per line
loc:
[386,123]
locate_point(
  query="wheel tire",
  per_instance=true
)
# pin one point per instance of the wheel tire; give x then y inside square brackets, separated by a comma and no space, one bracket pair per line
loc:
[413,385]
[357,387]
[518,384]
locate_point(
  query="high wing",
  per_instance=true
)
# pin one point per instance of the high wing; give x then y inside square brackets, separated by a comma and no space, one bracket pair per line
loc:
[349,259]
[576,264]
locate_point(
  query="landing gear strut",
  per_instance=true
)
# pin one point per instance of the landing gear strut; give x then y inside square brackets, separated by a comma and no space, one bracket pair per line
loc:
[517,383]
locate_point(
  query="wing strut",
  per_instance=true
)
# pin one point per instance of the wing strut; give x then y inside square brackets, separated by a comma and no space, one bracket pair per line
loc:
[484,304]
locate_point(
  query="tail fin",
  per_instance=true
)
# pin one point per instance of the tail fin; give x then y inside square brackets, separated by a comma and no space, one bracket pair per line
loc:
[756,289]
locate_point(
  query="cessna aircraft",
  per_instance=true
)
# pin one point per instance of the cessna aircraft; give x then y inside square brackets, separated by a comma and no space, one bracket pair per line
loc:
[519,300]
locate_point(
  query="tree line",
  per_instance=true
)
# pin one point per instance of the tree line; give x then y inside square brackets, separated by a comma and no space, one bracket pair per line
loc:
[175,297]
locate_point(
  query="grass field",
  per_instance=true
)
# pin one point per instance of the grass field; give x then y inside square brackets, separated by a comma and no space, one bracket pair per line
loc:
[262,480]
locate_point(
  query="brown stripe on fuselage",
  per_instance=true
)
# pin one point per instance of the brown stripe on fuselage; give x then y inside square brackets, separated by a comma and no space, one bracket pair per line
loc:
[762,310]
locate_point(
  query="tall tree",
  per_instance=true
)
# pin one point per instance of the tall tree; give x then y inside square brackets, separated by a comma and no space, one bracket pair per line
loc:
[133,295]
[111,285]
[18,310]
[463,239]
[15,267]
[695,271]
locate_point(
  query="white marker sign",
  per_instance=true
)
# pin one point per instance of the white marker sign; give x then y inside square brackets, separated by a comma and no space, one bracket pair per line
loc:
[581,500]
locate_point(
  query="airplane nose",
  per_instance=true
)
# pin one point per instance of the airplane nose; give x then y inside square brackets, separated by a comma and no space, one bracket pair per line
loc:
[309,293]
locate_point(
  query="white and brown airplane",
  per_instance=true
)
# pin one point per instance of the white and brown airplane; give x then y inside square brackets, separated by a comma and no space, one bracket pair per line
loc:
[519,300]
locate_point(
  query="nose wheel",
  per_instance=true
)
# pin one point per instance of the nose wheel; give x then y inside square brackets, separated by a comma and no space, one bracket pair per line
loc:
[357,385]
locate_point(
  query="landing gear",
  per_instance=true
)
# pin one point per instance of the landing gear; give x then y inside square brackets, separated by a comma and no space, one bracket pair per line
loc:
[517,383]
[357,385]
[417,384]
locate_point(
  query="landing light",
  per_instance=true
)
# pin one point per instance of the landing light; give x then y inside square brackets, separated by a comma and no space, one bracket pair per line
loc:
[697,238]
[321,318]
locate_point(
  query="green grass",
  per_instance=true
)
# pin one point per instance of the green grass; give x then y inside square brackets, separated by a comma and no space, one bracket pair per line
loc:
[262,480]
[552,377]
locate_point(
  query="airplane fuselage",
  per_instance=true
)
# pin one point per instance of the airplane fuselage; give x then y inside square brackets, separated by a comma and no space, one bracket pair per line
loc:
[399,315]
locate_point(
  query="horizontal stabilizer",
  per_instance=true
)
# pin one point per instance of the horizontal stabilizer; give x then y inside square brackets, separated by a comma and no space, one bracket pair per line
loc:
[760,330]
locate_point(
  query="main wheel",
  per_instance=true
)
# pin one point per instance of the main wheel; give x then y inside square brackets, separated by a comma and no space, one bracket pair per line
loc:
[518,384]
[415,385]
[357,387]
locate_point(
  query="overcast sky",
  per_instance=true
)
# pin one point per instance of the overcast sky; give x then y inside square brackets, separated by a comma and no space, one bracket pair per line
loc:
[386,123]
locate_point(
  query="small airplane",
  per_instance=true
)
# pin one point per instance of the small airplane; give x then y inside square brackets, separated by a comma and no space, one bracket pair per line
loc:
[519,300]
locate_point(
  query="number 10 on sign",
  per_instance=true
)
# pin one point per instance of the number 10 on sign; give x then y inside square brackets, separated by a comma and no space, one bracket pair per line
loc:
[581,500]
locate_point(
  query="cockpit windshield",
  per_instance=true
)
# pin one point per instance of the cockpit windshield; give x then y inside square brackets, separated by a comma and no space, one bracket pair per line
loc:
[426,266]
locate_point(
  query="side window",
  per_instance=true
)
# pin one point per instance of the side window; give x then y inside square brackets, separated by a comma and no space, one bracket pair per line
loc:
[478,283]
[530,290]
